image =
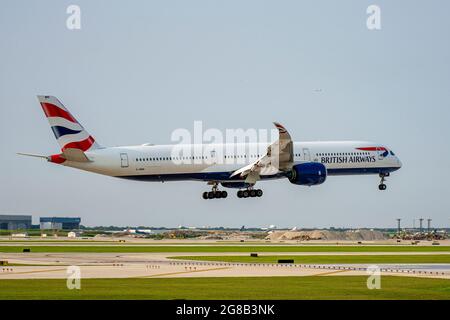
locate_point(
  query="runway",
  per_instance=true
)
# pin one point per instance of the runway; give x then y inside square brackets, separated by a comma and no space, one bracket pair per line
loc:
[157,265]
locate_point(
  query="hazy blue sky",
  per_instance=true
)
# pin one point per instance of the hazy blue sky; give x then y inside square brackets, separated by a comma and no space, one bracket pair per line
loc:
[137,70]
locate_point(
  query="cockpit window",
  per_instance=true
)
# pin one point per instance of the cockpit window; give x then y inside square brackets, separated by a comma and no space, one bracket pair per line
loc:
[392,153]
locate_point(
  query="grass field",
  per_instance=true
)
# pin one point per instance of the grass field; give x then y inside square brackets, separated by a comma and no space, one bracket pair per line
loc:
[443,258]
[329,287]
[217,248]
[112,241]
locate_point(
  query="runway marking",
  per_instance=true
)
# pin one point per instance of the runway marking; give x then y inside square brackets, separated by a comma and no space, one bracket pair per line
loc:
[181,272]
[331,272]
[31,272]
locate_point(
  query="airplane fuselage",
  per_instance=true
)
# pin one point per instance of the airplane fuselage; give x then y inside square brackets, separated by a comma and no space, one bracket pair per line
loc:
[217,162]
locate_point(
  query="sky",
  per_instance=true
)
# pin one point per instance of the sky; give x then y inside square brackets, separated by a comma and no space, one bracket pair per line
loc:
[137,70]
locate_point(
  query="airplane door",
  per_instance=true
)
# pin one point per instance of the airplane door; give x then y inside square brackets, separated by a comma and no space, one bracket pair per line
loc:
[124,160]
[306,154]
[213,157]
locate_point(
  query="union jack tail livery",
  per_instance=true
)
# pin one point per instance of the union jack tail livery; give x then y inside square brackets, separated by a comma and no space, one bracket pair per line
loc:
[69,133]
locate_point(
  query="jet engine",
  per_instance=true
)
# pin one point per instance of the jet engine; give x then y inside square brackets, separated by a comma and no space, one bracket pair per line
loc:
[308,174]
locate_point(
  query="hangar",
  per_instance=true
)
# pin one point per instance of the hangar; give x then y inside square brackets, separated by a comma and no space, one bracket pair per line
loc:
[59,223]
[14,222]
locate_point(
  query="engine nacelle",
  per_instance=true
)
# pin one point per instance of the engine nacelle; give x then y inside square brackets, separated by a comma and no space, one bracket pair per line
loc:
[308,174]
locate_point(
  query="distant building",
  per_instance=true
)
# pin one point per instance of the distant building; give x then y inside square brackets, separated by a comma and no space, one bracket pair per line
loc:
[72,234]
[14,222]
[59,223]
[19,235]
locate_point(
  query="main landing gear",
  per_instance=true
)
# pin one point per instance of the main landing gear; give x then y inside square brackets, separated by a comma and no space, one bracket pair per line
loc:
[215,193]
[249,193]
[382,186]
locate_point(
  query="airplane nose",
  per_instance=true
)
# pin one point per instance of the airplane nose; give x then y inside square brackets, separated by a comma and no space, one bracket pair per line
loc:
[399,163]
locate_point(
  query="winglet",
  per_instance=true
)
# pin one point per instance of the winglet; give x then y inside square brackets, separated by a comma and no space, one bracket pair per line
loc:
[284,134]
[280,128]
[282,149]
[285,147]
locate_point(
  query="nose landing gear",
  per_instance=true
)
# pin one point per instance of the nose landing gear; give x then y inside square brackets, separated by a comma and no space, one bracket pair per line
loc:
[383,176]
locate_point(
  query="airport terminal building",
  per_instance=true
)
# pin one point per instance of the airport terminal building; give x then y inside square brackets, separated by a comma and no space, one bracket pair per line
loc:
[59,223]
[14,222]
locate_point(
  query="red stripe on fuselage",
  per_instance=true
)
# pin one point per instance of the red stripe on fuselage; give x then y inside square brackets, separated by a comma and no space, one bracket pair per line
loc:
[372,149]
[51,110]
[82,145]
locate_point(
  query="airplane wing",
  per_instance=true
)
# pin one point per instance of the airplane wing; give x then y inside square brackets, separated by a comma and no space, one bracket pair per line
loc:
[279,157]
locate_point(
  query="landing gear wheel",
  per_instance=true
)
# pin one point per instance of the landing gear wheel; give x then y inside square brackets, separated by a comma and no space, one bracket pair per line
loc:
[245,194]
[383,176]
[215,193]
[239,194]
[252,193]
[259,193]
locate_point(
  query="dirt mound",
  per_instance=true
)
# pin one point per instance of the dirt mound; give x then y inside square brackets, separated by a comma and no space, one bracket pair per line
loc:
[353,235]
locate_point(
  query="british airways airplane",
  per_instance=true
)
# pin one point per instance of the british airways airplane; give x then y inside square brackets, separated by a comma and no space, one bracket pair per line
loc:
[302,163]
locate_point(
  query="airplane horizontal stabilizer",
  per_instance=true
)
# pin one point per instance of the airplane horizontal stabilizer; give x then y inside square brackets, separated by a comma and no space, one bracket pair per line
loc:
[75,155]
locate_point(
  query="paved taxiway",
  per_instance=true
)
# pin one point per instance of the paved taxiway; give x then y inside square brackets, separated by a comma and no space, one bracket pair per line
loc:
[148,265]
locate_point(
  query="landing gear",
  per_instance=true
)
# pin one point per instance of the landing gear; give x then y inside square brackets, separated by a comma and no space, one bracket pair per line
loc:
[383,176]
[249,193]
[214,193]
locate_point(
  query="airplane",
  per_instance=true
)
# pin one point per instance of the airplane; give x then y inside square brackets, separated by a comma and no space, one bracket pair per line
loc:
[302,163]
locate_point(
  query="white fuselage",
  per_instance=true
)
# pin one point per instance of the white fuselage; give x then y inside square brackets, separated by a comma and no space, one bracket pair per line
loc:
[216,162]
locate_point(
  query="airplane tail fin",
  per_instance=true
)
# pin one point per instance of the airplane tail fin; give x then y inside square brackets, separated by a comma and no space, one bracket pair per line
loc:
[69,133]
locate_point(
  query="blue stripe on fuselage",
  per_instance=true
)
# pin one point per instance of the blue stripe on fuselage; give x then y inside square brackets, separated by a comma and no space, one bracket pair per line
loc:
[200,176]
[225,176]
[357,171]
